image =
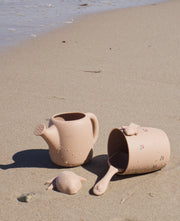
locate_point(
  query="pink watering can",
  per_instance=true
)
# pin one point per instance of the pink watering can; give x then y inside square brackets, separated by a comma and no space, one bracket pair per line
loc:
[70,138]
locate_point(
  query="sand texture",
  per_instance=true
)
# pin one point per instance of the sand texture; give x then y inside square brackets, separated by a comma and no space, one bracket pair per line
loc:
[123,66]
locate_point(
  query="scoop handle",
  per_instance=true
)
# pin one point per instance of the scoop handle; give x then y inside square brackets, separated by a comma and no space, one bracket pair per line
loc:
[102,185]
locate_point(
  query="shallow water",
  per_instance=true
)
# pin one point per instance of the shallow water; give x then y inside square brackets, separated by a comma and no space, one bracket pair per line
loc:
[25,19]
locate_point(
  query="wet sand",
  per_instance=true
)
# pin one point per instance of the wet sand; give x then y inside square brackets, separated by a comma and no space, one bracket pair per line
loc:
[22,20]
[122,66]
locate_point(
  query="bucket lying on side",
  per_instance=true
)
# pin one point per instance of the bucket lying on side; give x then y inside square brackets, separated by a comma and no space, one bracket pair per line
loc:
[147,151]
[134,150]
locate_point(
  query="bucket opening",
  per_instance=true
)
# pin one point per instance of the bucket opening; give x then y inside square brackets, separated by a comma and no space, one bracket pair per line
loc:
[118,154]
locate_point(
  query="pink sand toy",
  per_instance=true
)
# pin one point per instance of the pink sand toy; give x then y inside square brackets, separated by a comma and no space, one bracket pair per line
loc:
[70,138]
[66,182]
[133,150]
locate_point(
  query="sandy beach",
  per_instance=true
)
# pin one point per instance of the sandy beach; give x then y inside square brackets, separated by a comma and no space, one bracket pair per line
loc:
[122,66]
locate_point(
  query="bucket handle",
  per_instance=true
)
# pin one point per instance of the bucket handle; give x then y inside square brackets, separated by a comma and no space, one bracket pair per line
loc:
[132,129]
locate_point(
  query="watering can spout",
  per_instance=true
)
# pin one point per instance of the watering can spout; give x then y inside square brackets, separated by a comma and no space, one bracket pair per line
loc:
[51,136]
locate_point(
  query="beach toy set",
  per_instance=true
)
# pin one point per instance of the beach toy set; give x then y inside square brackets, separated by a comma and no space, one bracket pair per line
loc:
[131,149]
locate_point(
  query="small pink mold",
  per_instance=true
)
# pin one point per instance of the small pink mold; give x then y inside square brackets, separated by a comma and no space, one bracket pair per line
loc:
[66,182]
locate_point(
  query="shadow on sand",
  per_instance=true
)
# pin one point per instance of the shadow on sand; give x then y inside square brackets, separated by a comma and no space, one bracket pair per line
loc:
[30,158]
[99,166]
[39,158]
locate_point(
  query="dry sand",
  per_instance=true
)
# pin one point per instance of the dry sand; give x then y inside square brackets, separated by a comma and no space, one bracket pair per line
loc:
[135,54]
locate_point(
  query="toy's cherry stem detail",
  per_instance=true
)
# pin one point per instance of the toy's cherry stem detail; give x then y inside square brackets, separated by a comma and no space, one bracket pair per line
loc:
[102,185]
[95,125]
[50,184]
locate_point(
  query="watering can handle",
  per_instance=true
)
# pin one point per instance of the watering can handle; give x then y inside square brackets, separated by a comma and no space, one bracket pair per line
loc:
[95,125]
